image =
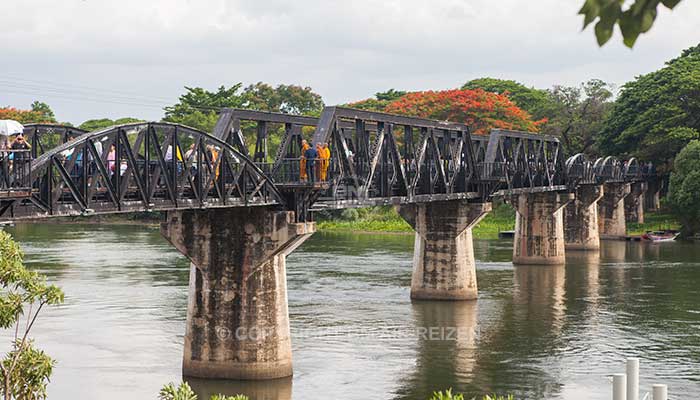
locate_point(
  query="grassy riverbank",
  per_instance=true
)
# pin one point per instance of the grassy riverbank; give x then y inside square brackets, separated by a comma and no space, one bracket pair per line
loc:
[386,220]
[654,222]
[502,218]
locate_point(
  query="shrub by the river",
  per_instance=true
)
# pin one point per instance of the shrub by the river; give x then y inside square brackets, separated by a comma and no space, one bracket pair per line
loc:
[185,392]
[447,395]
[24,370]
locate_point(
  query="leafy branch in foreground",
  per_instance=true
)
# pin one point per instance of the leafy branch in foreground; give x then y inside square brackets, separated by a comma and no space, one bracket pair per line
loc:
[636,19]
[25,370]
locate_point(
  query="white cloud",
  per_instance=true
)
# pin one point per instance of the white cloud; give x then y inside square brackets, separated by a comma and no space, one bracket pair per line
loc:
[344,50]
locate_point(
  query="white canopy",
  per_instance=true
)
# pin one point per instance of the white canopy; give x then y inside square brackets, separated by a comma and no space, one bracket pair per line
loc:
[9,127]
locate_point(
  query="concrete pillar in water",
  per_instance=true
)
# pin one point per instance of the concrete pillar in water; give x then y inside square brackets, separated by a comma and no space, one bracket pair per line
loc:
[539,228]
[581,219]
[611,210]
[634,202]
[237,317]
[443,256]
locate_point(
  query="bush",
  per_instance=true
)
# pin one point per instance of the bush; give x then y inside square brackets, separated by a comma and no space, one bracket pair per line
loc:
[350,214]
[185,392]
[25,370]
[449,396]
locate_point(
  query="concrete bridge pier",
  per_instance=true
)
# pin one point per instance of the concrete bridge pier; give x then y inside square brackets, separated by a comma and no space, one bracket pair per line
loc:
[581,219]
[652,198]
[539,228]
[611,210]
[634,202]
[237,317]
[443,255]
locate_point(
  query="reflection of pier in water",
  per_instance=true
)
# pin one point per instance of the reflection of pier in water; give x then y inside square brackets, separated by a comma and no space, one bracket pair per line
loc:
[276,389]
[447,347]
[486,356]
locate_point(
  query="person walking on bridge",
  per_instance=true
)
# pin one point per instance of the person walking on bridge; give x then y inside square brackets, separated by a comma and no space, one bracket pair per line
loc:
[325,161]
[319,161]
[310,156]
[302,163]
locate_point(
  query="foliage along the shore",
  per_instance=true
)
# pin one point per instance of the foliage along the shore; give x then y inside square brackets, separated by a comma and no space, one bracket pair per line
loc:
[684,190]
[658,113]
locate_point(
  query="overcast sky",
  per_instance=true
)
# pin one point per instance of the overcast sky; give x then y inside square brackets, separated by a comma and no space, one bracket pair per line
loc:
[114,58]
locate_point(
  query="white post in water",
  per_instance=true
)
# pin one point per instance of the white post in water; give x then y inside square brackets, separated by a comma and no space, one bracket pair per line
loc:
[632,379]
[620,387]
[660,392]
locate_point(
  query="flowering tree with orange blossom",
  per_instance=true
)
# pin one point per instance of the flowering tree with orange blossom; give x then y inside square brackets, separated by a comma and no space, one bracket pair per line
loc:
[25,116]
[479,109]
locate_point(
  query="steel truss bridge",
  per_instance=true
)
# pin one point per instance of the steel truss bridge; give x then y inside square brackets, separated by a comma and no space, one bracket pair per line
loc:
[376,159]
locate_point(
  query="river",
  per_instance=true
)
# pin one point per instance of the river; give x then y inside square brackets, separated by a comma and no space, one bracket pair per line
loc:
[537,332]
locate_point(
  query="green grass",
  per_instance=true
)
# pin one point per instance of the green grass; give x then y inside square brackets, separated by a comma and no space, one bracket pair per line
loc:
[502,218]
[373,219]
[654,222]
[387,220]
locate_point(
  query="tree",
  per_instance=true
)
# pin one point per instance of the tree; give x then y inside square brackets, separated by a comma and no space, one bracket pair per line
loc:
[288,99]
[26,116]
[96,124]
[479,109]
[634,20]
[535,101]
[44,110]
[379,101]
[25,370]
[198,107]
[577,114]
[684,189]
[651,107]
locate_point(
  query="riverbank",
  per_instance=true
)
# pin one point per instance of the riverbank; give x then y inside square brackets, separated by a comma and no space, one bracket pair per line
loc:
[502,218]
[387,220]
[657,221]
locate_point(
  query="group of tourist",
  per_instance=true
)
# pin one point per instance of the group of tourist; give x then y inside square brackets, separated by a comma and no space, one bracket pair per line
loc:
[314,162]
[14,155]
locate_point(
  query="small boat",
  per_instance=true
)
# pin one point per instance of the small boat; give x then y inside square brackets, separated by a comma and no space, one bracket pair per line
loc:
[660,236]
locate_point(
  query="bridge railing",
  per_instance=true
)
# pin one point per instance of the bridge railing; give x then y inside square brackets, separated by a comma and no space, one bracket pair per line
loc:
[44,137]
[295,171]
[15,173]
[492,172]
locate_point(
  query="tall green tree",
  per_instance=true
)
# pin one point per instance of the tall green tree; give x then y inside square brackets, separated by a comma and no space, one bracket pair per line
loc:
[684,189]
[576,114]
[380,100]
[198,107]
[25,370]
[289,99]
[633,17]
[44,110]
[537,102]
[95,124]
[649,110]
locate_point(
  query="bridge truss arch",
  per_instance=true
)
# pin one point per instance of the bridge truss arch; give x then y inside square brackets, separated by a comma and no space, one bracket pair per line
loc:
[44,137]
[141,167]
[523,161]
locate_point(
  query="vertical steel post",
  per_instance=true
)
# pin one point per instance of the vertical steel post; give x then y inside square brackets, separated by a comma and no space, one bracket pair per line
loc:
[659,392]
[633,379]
[619,387]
